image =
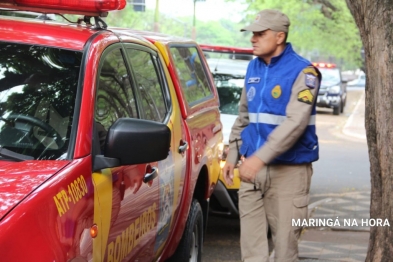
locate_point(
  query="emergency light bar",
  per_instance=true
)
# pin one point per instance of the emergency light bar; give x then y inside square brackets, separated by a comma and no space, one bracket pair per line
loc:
[324,65]
[86,7]
[226,49]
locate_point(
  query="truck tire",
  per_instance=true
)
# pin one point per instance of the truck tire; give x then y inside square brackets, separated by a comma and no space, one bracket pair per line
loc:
[190,246]
[342,107]
[337,109]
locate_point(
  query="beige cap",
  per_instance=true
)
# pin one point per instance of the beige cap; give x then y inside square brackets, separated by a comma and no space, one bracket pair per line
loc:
[269,19]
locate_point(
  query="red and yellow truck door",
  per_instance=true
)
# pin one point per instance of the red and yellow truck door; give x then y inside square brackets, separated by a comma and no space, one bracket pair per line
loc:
[126,208]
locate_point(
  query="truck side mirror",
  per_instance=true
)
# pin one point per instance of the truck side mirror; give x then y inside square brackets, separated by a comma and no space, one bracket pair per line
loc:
[134,141]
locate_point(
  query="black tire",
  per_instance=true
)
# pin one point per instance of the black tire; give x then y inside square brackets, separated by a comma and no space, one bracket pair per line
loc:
[190,246]
[337,109]
[344,102]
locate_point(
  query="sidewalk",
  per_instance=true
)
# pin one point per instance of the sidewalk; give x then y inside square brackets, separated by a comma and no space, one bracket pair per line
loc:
[340,231]
[355,125]
[345,235]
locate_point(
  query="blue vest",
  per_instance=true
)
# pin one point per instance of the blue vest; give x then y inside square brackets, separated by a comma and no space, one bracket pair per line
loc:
[268,92]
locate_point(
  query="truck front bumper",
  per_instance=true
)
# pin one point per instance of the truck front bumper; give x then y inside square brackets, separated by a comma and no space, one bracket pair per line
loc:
[329,101]
[224,200]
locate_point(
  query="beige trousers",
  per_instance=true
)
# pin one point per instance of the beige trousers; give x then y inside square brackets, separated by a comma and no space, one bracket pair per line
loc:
[279,195]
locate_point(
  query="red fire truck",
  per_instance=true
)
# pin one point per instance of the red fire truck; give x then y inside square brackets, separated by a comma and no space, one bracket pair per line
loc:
[110,139]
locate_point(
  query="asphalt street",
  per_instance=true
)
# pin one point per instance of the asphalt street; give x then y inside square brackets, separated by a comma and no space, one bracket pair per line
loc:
[343,168]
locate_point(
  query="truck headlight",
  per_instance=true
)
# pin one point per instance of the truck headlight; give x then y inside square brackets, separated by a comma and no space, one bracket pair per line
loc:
[334,90]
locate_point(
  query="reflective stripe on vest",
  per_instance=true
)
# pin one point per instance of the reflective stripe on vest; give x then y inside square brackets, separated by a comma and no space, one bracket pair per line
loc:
[270,119]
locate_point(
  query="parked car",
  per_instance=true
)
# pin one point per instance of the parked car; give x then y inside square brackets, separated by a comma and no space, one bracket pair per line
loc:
[333,89]
[228,66]
[110,138]
[359,81]
[230,52]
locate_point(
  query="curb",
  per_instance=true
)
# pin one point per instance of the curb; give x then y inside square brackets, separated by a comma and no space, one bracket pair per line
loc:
[351,229]
[349,124]
[315,204]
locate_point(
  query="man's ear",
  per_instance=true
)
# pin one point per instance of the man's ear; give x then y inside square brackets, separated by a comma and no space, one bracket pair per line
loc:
[280,38]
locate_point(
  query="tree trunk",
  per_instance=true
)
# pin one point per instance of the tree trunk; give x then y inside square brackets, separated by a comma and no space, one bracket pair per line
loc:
[375,21]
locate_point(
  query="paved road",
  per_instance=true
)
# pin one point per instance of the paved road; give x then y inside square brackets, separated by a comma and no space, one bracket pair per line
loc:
[343,167]
[344,164]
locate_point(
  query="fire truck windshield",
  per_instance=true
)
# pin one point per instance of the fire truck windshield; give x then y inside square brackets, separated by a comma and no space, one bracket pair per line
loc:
[38,88]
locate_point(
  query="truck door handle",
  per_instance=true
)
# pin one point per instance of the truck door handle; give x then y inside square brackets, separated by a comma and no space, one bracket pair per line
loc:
[183,147]
[150,176]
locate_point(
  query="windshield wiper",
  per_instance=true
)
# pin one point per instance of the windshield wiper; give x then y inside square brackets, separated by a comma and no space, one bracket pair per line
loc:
[13,156]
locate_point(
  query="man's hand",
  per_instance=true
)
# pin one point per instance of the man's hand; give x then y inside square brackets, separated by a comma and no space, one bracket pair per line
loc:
[249,168]
[227,172]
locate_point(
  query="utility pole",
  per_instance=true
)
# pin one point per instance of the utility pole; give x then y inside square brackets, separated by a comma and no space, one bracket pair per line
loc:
[193,34]
[156,17]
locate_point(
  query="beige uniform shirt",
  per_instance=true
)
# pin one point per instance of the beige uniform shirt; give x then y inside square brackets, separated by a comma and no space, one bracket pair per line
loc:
[284,136]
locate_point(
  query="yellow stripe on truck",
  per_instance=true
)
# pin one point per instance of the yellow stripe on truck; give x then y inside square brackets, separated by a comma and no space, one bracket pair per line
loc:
[163,51]
[103,190]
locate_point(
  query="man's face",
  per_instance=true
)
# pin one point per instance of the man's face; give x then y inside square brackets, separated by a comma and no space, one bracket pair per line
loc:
[265,44]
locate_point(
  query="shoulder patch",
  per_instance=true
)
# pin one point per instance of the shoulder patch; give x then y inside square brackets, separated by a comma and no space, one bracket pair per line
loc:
[305,96]
[311,81]
[310,70]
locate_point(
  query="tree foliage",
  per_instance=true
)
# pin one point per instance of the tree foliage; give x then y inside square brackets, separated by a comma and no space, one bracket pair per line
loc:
[223,32]
[320,29]
[130,19]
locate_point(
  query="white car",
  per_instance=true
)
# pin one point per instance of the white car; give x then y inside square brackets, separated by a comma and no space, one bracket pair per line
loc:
[360,81]
[228,66]
[229,77]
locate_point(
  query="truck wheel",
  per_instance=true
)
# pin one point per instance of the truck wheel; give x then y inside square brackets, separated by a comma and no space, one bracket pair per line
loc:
[342,107]
[190,246]
[337,109]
